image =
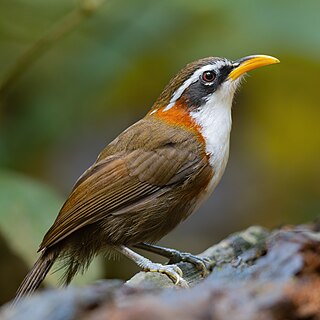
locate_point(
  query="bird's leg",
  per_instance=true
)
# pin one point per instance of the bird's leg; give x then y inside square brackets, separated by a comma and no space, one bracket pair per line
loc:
[175,256]
[172,271]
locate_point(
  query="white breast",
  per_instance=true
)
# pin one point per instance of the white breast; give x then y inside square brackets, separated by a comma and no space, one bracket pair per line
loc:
[214,118]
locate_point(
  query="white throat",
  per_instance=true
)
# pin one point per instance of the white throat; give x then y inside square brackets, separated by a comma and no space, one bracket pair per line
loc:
[214,118]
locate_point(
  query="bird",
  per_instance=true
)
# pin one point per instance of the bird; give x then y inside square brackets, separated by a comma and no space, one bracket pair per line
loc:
[151,177]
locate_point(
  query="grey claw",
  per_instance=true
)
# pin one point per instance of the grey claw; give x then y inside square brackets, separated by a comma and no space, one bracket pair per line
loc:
[201,263]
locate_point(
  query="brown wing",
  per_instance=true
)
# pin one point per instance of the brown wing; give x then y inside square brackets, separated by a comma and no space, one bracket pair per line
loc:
[119,181]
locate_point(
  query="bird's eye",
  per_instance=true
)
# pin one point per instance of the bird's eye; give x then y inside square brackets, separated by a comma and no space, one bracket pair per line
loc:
[208,76]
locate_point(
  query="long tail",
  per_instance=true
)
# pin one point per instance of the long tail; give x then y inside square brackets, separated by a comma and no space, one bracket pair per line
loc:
[36,275]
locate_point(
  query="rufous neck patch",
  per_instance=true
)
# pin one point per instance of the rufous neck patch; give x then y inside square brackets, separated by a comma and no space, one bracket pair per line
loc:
[179,115]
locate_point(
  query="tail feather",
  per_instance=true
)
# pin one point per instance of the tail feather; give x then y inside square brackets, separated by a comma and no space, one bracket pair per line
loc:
[36,275]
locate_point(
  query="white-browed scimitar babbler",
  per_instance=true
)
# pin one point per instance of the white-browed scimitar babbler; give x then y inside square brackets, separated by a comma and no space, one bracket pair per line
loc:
[151,177]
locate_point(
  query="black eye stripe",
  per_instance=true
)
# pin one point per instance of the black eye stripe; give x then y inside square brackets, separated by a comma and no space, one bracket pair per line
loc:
[210,77]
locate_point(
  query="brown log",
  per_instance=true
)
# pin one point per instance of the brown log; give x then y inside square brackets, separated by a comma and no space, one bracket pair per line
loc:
[256,274]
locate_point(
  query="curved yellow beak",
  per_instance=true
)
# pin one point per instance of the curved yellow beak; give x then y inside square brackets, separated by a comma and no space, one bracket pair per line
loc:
[246,64]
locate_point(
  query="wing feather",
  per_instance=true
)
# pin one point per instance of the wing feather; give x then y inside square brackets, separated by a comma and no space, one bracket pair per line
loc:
[116,183]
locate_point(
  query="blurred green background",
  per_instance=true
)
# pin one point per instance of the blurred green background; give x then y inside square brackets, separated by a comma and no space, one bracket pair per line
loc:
[87,86]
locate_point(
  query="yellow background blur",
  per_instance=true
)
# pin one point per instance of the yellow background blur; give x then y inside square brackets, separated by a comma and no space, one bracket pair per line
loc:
[104,75]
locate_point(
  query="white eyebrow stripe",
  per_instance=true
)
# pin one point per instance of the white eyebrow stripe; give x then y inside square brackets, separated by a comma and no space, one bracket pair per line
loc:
[221,63]
[177,94]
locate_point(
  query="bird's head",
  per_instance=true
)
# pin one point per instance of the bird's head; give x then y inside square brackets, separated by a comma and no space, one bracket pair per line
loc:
[202,86]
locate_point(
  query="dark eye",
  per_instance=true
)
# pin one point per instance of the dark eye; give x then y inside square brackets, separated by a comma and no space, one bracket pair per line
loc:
[208,76]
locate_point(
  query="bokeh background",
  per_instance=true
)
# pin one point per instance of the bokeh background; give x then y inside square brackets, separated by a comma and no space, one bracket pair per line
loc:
[65,98]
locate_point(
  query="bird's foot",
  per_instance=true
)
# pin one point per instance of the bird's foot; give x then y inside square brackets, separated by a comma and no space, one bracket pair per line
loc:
[171,270]
[201,263]
[204,264]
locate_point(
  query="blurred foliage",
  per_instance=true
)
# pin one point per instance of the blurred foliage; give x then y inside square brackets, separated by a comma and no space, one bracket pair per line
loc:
[27,211]
[105,74]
